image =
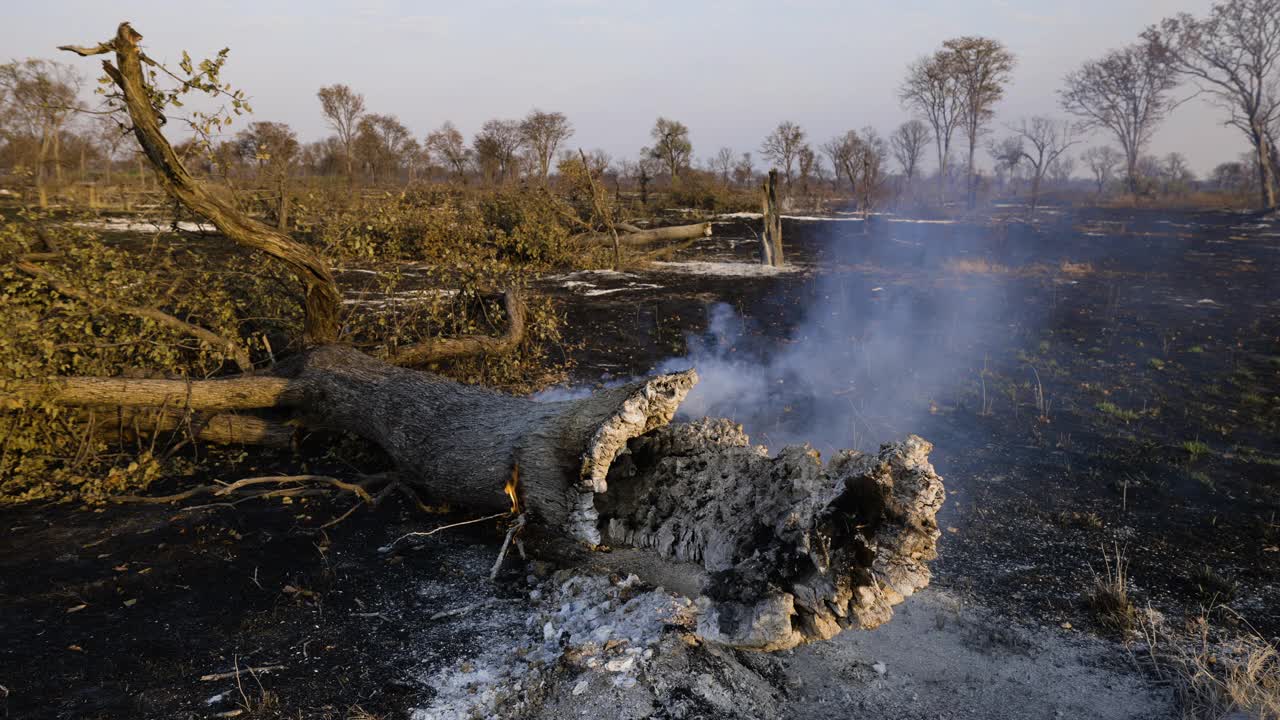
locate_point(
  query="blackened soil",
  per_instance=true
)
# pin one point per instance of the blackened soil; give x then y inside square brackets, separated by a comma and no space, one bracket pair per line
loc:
[1156,430]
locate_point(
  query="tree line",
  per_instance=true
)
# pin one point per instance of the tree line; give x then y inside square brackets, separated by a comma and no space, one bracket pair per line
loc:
[1228,56]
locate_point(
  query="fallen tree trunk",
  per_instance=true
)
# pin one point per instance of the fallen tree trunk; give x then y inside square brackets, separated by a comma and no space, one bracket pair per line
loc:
[632,235]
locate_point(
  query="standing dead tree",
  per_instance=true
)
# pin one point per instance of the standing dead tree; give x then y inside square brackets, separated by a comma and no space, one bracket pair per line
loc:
[771,238]
[784,549]
[1125,92]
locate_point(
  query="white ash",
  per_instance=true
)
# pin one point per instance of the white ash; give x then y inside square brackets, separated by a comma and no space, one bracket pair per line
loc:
[588,624]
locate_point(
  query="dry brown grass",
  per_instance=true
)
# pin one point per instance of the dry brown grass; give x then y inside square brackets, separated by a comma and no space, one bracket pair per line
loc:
[1110,599]
[1213,680]
[1076,269]
[976,266]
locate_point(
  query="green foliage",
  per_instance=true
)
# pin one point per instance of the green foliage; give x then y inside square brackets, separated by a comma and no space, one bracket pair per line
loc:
[506,230]
[1109,408]
[46,451]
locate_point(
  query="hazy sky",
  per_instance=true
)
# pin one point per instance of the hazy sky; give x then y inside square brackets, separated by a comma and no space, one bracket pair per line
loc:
[729,70]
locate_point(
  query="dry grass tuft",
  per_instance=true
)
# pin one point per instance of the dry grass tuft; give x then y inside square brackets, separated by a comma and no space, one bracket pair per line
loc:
[975,266]
[1076,269]
[1215,680]
[1110,599]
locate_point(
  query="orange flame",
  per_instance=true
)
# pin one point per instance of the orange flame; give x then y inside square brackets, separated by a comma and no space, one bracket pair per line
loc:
[512,487]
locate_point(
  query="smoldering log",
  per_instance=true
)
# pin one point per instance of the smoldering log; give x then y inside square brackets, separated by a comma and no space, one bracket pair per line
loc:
[783,550]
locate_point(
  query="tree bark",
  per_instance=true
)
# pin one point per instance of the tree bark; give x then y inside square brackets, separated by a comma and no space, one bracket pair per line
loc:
[632,235]
[771,238]
[321,294]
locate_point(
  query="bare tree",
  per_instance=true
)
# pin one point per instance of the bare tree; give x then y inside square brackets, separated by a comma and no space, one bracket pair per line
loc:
[782,146]
[38,97]
[1061,170]
[542,132]
[1102,162]
[908,144]
[1233,56]
[722,164]
[1125,92]
[448,148]
[1176,175]
[496,147]
[933,91]
[842,151]
[859,158]
[343,108]
[642,172]
[1007,154]
[671,145]
[982,68]
[1043,141]
[744,170]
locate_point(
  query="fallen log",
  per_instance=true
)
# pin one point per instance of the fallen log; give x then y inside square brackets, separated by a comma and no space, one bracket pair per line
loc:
[631,235]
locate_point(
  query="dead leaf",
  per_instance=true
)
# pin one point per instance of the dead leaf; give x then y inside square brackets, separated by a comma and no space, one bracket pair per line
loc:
[76,648]
[77,608]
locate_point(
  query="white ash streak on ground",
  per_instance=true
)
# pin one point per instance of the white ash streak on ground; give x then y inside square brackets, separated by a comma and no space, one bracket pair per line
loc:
[125,225]
[597,627]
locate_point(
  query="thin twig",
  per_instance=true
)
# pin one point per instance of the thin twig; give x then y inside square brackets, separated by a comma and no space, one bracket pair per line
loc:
[233,673]
[516,527]
[495,516]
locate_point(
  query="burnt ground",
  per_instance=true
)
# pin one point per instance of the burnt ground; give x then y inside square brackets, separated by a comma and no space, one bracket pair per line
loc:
[1130,361]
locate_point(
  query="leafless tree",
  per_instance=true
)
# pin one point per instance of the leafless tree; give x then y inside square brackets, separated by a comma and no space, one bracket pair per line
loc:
[982,67]
[448,148]
[1102,162]
[542,132]
[1233,56]
[1176,175]
[1042,141]
[908,145]
[860,158]
[722,164]
[343,108]
[671,145]
[1007,154]
[782,146]
[38,97]
[744,170]
[496,147]
[933,90]
[1125,92]
[1061,170]
[642,172]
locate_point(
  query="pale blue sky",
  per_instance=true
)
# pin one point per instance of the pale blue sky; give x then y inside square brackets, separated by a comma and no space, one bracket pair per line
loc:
[729,70]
